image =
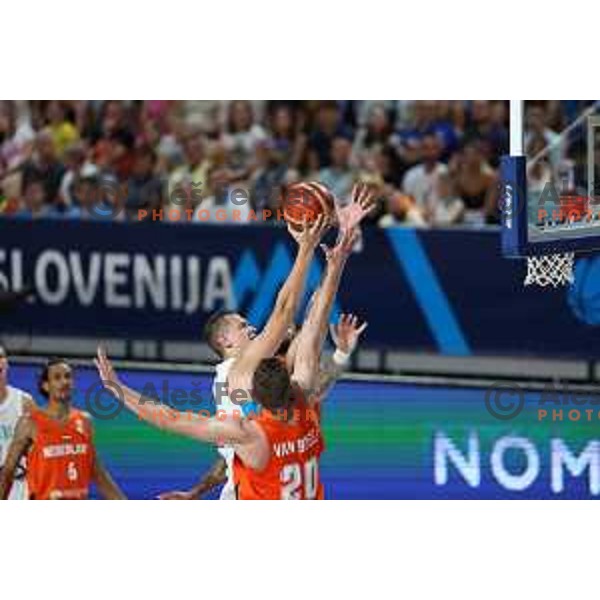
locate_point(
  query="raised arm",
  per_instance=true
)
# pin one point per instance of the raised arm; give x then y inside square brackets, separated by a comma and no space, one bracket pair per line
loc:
[345,335]
[19,446]
[286,305]
[227,430]
[314,329]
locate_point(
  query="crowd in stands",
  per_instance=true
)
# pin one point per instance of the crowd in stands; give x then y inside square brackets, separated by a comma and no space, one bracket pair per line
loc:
[433,163]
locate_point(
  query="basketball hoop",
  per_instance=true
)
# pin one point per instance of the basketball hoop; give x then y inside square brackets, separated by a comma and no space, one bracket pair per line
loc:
[557,269]
[550,269]
[549,229]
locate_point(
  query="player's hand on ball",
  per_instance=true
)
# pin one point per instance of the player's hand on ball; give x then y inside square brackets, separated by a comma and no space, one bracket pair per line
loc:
[363,202]
[311,233]
[177,495]
[347,332]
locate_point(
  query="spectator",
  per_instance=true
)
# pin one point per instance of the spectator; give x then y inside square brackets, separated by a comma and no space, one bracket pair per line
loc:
[15,142]
[9,200]
[329,125]
[219,207]
[114,142]
[44,166]
[259,146]
[287,140]
[143,188]
[192,178]
[74,162]
[205,115]
[536,126]
[340,176]
[373,137]
[420,182]
[240,139]
[35,203]
[392,108]
[408,140]
[539,176]
[63,132]
[448,209]
[474,181]
[272,171]
[402,210]
[444,129]
[488,125]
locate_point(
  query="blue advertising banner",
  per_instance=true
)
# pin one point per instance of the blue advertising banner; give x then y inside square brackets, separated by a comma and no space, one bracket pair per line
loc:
[446,291]
[382,440]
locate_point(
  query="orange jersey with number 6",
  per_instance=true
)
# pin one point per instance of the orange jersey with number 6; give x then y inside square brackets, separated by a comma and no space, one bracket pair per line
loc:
[61,458]
[292,472]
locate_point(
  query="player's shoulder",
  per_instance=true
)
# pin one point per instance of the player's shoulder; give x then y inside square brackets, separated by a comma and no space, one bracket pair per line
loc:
[27,425]
[77,413]
[82,421]
[28,402]
[21,396]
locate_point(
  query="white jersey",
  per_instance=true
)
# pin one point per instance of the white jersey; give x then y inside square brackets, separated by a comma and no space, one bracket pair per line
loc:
[10,412]
[224,404]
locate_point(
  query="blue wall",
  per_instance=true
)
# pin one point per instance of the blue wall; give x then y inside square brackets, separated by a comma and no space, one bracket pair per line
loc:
[382,441]
[439,291]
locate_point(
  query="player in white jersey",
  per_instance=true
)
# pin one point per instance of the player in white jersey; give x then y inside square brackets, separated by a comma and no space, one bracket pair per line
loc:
[13,404]
[345,335]
[225,404]
[229,333]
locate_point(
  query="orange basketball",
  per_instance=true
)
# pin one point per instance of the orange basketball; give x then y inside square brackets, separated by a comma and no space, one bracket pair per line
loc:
[305,202]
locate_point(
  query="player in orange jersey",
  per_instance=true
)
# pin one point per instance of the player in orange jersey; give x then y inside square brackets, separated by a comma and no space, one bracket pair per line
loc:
[345,335]
[277,450]
[227,331]
[59,446]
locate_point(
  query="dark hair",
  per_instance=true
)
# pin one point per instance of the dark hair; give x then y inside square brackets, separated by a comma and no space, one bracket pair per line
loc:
[43,378]
[246,104]
[271,385]
[213,327]
[472,141]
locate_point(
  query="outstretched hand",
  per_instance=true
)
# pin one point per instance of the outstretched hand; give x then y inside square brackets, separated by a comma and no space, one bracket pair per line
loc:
[363,202]
[105,368]
[343,247]
[346,333]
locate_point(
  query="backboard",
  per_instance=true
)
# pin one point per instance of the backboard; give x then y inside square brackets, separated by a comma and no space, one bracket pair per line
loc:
[551,179]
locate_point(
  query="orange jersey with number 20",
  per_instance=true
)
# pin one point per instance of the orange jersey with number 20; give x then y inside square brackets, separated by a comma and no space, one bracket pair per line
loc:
[292,472]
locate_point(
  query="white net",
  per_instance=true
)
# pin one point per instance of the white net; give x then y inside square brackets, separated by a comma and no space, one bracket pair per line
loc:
[550,269]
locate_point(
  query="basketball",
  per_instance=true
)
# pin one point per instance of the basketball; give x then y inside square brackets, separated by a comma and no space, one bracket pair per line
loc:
[305,202]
